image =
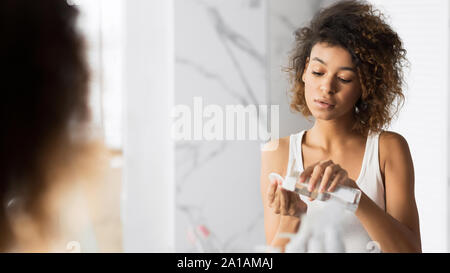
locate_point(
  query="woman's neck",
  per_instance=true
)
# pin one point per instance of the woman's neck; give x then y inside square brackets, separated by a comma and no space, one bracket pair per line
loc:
[330,135]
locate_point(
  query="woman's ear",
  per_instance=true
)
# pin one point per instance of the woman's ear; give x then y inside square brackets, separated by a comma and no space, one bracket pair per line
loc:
[304,70]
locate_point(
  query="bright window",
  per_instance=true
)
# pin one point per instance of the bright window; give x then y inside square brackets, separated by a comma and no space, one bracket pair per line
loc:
[102,23]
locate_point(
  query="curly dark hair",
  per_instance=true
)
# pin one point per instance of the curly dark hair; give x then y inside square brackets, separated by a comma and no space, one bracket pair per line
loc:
[376,51]
[44,86]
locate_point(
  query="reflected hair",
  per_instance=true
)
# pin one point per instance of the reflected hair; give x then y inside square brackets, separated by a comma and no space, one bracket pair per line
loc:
[44,81]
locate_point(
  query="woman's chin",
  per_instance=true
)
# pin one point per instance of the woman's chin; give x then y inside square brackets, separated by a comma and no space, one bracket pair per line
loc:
[324,116]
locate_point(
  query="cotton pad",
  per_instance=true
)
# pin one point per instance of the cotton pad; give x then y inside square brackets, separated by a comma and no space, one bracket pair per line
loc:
[288,183]
[274,177]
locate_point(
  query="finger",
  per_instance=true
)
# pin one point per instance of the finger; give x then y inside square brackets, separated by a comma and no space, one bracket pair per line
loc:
[328,175]
[296,206]
[301,207]
[336,181]
[317,174]
[276,202]
[284,202]
[290,196]
[307,172]
[271,189]
[292,203]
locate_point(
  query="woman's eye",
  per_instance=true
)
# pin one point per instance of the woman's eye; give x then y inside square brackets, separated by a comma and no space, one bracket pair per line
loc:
[317,73]
[344,80]
[341,79]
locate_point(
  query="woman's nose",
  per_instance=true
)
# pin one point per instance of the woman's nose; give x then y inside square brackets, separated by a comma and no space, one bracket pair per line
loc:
[327,88]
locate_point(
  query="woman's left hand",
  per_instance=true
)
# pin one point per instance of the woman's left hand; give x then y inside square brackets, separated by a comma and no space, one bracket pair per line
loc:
[326,175]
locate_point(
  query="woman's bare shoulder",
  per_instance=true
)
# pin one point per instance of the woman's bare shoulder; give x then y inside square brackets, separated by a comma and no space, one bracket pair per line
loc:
[275,154]
[392,140]
[277,146]
[393,147]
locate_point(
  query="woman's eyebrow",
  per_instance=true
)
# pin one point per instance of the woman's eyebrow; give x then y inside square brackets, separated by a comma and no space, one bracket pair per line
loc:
[340,68]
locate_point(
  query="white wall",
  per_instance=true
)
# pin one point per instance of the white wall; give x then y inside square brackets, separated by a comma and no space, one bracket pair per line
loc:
[284,17]
[148,193]
[220,50]
[424,120]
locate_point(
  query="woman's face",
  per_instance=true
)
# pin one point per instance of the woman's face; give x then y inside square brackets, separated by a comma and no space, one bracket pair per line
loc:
[331,83]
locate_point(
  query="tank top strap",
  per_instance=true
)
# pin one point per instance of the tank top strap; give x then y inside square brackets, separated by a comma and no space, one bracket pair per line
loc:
[371,163]
[370,180]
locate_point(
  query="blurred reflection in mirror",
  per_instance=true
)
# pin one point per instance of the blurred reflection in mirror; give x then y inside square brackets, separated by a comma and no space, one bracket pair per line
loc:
[53,163]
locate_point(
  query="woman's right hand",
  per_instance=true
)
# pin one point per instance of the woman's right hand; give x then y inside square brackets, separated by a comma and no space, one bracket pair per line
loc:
[284,202]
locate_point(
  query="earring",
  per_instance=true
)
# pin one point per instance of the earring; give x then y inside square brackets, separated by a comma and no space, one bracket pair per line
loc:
[362,107]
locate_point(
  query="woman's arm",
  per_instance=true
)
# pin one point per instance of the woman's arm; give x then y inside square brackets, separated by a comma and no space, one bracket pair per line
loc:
[274,158]
[397,229]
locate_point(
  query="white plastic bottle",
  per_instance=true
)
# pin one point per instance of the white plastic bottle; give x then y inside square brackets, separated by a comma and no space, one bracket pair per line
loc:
[345,196]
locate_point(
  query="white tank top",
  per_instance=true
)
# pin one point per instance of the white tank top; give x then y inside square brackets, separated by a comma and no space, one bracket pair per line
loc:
[354,235]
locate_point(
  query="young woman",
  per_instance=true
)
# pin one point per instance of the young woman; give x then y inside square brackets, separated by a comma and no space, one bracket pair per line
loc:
[46,151]
[347,73]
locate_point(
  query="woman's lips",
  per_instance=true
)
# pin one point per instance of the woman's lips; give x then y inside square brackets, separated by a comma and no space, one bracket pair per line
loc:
[323,105]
